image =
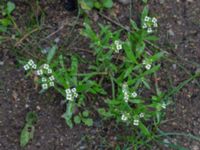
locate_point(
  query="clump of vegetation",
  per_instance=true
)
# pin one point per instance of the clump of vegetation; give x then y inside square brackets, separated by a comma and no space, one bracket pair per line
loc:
[122,73]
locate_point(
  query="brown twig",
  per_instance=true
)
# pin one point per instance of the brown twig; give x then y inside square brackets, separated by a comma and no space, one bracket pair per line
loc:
[25,36]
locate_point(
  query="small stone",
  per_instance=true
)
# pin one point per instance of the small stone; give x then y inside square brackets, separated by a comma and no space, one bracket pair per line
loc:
[174,66]
[170,32]
[195,147]
[26,106]
[162,1]
[166,141]
[1,63]
[38,108]
[197,71]
[125,2]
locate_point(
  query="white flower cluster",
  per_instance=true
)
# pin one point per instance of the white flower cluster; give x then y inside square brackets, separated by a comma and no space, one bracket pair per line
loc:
[44,71]
[126,116]
[71,94]
[118,46]
[30,65]
[147,64]
[126,93]
[149,23]
[163,105]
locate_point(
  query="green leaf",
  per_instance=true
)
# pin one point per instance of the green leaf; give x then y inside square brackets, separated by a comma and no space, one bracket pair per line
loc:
[10,7]
[85,113]
[129,52]
[3,28]
[26,134]
[134,25]
[88,122]
[5,22]
[28,130]
[31,118]
[86,4]
[51,53]
[77,119]
[144,130]
[107,3]
[144,13]
[68,114]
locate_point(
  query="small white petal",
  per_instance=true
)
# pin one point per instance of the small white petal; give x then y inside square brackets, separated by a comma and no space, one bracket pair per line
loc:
[44,86]
[149,30]
[31,62]
[46,66]
[51,78]
[141,115]
[39,72]
[148,66]
[34,66]
[134,94]
[51,84]
[26,67]
[49,71]
[68,91]
[44,79]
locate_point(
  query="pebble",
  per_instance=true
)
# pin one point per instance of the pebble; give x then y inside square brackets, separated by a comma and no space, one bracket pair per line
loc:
[162,1]
[1,63]
[170,32]
[195,147]
[197,71]
[174,66]
[38,108]
[125,2]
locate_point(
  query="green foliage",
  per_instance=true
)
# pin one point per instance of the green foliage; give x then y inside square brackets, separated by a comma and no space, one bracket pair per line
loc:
[27,132]
[7,18]
[97,4]
[83,117]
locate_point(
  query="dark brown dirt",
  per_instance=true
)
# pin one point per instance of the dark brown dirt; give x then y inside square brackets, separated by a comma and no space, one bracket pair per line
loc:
[179,32]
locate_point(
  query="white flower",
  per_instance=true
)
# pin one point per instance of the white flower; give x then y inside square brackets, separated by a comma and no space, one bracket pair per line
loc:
[124,87]
[124,117]
[34,66]
[119,47]
[148,66]
[126,99]
[134,94]
[69,97]
[31,62]
[51,83]
[73,90]
[146,18]
[144,26]
[75,95]
[49,71]
[44,79]
[26,67]
[44,86]
[46,66]
[51,78]
[68,91]
[163,106]
[39,72]
[155,25]
[149,30]
[141,115]
[116,42]
[135,122]
[154,20]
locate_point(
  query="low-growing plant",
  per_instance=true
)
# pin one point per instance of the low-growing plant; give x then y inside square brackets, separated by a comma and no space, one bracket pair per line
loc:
[97,4]
[27,132]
